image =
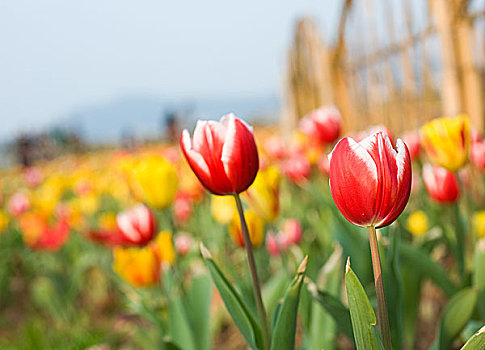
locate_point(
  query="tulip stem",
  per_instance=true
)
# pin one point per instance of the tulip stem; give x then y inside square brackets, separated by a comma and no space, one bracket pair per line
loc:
[382,318]
[254,274]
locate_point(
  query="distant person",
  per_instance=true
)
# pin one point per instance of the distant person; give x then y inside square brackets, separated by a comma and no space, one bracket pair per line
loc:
[24,150]
[172,128]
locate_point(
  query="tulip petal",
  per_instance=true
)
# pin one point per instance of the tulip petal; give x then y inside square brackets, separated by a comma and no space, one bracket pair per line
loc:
[239,154]
[403,188]
[353,181]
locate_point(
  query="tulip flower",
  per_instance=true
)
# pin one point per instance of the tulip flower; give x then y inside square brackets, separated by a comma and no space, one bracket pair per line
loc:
[478,155]
[263,195]
[182,208]
[183,243]
[323,165]
[38,234]
[18,203]
[162,247]
[417,223]
[137,224]
[3,221]
[479,223]
[275,148]
[137,266]
[293,231]
[255,225]
[447,141]
[156,179]
[297,168]
[272,245]
[323,124]
[441,184]
[370,181]
[33,177]
[222,154]
[223,208]
[140,266]
[413,141]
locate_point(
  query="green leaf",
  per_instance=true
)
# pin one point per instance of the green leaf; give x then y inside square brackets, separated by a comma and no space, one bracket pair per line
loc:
[323,328]
[168,345]
[394,290]
[477,342]
[361,313]
[198,306]
[455,316]
[179,326]
[285,328]
[335,308]
[428,267]
[239,312]
[274,290]
[479,276]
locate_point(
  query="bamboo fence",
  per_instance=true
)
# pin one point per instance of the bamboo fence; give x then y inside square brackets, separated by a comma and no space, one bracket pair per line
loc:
[394,62]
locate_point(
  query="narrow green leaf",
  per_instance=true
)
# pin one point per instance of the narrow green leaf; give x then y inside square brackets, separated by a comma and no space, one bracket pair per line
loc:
[239,312]
[179,327]
[323,328]
[285,328]
[455,316]
[335,308]
[479,276]
[274,290]
[361,313]
[198,309]
[168,345]
[477,342]
[428,267]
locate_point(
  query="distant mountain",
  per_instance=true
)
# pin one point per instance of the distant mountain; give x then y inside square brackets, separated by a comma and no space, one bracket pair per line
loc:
[143,117]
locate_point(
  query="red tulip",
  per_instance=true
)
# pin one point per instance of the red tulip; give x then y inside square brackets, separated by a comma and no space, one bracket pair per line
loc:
[272,245]
[441,184]
[137,225]
[182,208]
[323,165]
[478,154]
[275,148]
[297,168]
[413,141]
[323,124]
[292,229]
[370,181]
[108,237]
[222,154]
[183,243]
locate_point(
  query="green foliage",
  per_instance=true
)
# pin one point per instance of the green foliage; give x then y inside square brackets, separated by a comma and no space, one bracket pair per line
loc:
[361,313]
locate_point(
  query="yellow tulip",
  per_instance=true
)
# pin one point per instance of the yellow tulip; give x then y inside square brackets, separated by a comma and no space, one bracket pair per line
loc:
[163,248]
[137,266]
[223,208]
[447,141]
[255,226]
[263,195]
[157,180]
[479,223]
[417,223]
[3,221]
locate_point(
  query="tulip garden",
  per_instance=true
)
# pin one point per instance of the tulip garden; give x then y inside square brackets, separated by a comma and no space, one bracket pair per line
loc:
[236,238]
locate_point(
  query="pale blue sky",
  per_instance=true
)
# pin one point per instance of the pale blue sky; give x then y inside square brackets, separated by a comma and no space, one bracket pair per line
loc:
[57,55]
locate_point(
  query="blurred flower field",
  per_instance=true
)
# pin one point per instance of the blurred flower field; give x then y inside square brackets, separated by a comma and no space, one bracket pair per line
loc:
[127,250]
